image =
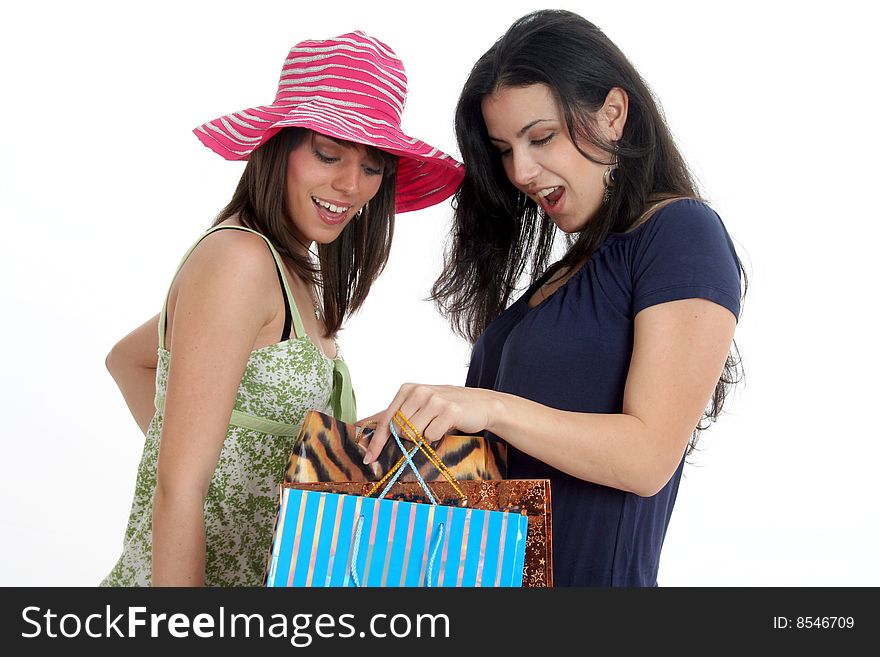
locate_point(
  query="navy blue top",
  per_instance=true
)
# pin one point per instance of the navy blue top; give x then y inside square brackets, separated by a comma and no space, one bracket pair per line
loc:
[572,352]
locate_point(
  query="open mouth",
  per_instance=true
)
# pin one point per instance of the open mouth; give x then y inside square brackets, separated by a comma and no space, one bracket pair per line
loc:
[339,210]
[549,196]
[330,213]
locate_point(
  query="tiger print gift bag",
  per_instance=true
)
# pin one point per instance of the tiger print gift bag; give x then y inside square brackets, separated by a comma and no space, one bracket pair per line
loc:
[329,450]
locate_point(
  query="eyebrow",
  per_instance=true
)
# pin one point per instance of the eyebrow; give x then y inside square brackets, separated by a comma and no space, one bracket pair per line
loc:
[524,129]
[342,142]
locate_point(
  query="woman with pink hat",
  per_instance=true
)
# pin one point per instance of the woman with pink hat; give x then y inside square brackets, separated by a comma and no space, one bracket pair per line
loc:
[245,341]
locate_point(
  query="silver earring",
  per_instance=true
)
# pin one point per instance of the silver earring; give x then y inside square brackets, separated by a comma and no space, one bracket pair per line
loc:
[361,211]
[609,178]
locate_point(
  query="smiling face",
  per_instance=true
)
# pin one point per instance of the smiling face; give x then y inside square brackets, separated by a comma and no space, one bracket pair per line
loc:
[527,126]
[328,181]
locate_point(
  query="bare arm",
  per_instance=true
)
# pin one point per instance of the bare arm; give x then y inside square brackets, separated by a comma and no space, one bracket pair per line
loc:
[132,364]
[223,300]
[678,355]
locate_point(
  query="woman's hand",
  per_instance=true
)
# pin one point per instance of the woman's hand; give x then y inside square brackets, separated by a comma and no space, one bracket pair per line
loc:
[132,363]
[434,411]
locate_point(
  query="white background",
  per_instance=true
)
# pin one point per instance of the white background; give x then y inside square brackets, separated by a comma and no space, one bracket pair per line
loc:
[103,187]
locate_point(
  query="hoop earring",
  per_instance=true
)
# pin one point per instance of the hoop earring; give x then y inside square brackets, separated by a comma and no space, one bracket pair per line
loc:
[358,214]
[609,178]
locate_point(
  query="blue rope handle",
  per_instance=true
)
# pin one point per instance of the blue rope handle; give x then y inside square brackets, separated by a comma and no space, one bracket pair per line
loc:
[438,539]
[408,456]
[435,548]
[352,567]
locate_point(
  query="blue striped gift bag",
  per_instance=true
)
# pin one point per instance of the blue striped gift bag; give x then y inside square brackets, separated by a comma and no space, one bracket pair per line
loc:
[330,539]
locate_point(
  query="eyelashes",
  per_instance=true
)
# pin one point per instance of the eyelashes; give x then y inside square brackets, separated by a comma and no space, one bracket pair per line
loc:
[532,142]
[328,159]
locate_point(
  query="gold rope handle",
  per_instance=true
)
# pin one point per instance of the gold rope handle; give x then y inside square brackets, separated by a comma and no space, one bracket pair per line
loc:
[430,454]
[428,451]
[397,465]
[421,444]
[393,469]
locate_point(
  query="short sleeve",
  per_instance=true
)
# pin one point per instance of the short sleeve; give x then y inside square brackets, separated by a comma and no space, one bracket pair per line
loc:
[684,252]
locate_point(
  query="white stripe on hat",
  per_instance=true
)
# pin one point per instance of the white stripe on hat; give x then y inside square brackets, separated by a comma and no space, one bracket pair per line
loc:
[397,82]
[393,108]
[323,67]
[316,78]
[237,135]
[356,46]
[374,44]
[296,101]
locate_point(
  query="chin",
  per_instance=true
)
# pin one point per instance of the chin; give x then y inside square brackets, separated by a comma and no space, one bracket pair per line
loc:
[571,227]
[329,236]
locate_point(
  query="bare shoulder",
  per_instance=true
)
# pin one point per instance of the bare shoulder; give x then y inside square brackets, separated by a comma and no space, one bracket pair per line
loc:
[230,277]
[238,258]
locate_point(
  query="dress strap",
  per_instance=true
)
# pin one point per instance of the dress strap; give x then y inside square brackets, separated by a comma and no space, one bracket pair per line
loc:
[342,399]
[288,295]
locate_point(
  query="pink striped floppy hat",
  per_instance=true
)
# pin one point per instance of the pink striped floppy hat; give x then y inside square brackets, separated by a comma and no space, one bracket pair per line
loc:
[351,87]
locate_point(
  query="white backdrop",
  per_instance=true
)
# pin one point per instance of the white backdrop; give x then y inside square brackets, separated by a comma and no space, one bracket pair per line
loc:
[103,186]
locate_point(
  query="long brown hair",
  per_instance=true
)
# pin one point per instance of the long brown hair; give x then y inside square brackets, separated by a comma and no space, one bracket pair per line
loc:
[347,266]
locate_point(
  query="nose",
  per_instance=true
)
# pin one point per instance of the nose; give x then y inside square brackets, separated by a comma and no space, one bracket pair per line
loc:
[347,178]
[522,169]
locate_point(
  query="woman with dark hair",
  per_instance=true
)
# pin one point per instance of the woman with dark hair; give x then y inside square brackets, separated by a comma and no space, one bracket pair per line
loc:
[238,363]
[606,369]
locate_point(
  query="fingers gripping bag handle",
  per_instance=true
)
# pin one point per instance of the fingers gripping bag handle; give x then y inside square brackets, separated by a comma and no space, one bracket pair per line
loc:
[391,477]
[421,444]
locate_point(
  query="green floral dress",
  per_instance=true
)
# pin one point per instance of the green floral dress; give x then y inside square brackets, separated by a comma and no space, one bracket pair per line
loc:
[280,383]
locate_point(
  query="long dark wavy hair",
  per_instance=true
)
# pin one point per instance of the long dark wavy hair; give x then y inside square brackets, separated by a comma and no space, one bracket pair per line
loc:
[498,233]
[347,266]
